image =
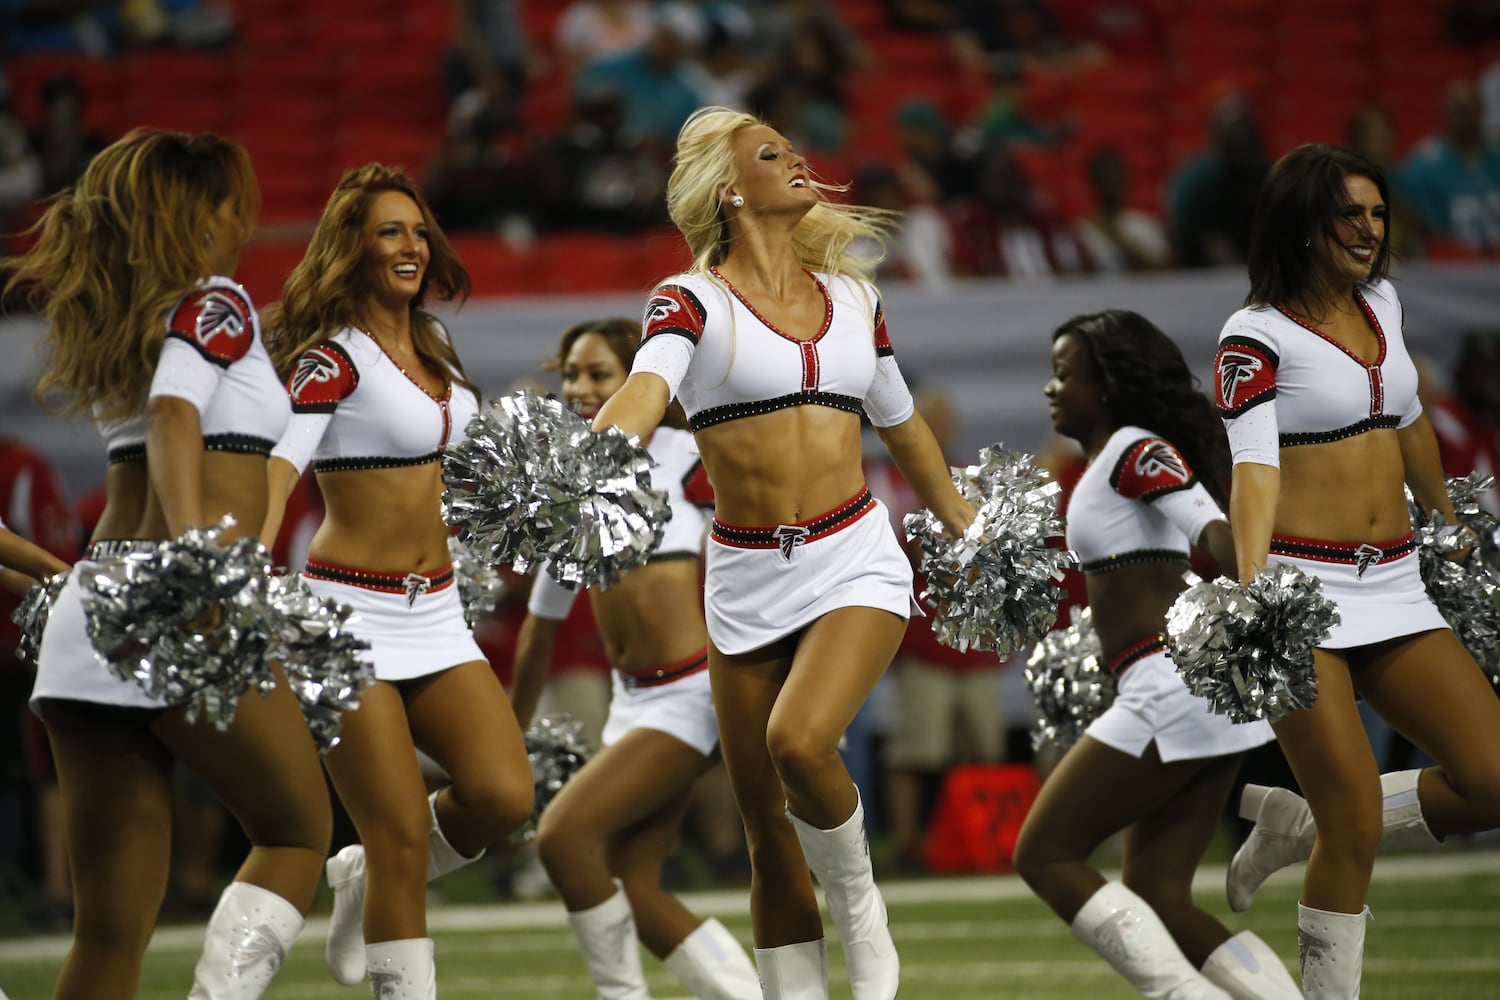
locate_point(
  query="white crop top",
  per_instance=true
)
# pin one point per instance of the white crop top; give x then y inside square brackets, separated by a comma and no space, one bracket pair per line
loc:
[679,472]
[1281,383]
[354,408]
[214,358]
[1137,502]
[723,361]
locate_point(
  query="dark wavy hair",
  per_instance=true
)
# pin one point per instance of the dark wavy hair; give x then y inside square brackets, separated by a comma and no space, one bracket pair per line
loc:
[1146,382]
[1299,204]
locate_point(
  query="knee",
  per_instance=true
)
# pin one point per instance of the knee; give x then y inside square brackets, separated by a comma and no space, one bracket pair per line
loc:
[798,751]
[1167,896]
[398,843]
[559,844]
[302,819]
[501,803]
[1353,837]
[1478,784]
[1032,858]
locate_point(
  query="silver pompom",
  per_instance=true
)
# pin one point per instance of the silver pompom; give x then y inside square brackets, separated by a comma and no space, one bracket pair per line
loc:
[1467,591]
[323,661]
[479,585]
[1069,683]
[557,751]
[185,621]
[1249,650]
[32,613]
[533,482]
[997,587]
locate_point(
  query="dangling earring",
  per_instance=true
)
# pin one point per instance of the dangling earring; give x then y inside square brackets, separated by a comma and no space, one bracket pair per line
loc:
[738,201]
[1309,242]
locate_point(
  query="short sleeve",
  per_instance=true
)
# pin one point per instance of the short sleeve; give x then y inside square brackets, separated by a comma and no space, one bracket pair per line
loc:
[1154,472]
[323,377]
[674,310]
[218,322]
[184,372]
[1245,391]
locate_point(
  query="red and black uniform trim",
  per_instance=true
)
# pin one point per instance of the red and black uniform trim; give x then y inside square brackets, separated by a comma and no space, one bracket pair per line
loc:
[1385,421]
[386,583]
[733,411]
[1134,653]
[128,453]
[673,309]
[1245,375]
[1150,468]
[657,676]
[883,348]
[218,322]
[743,537]
[1352,553]
[323,377]
[1134,558]
[373,462]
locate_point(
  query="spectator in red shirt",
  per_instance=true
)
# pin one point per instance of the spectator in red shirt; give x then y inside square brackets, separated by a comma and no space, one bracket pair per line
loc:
[1467,420]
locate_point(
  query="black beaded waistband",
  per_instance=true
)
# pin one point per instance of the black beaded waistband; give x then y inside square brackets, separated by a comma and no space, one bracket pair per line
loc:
[1132,558]
[387,583]
[657,676]
[1134,653]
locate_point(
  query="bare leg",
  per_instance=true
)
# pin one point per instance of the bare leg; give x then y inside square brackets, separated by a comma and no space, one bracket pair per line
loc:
[117,814]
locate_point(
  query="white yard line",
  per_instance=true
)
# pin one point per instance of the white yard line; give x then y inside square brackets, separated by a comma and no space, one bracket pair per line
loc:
[492,917]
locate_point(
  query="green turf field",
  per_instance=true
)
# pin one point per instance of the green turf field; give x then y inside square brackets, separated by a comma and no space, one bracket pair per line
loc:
[1433,937]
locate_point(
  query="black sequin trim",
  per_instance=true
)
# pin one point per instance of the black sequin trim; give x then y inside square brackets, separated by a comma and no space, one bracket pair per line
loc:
[734,411]
[1323,437]
[373,462]
[242,444]
[1134,558]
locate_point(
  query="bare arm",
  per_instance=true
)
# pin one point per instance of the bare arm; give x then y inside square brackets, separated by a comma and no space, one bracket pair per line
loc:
[534,645]
[1424,468]
[27,558]
[174,449]
[916,453]
[1217,539]
[1252,512]
[282,478]
[638,407]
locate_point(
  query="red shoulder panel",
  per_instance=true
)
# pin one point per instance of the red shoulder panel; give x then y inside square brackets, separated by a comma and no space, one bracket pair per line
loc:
[674,309]
[1244,375]
[217,321]
[696,487]
[883,347]
[323,377]
[1149,468]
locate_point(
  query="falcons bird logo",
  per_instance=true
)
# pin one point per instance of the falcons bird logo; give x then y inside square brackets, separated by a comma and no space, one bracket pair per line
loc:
[416,586]
[1160,459]
[660,307]
[789,536]
[220,313]
[314,366]
[1236,367]
[1366,556]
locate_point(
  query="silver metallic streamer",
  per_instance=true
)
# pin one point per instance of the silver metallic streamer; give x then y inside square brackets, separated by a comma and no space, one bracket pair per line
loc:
[32,613]
[479,585]
[1466,591]
[1249,650]
[533,482]
[1069,683]
[557,751]
[185,621]
[997,587]
[321,658]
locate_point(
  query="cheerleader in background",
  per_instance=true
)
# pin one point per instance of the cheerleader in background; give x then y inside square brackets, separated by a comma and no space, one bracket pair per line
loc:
[807,588]
[605,836]
[1158,764]
[377,393]
[129,269]
[1320,401]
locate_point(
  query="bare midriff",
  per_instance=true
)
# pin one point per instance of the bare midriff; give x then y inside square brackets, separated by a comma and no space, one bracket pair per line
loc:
[383,520]
[782,467]
[1344,491]
[652,616]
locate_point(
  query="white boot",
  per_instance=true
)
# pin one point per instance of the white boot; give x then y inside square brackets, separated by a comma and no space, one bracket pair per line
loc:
[345,950]
[606,935]
[1284,831]
[402,970]
[711,965]
[1246,968]
[248,936]
[794,971]
[1123,929]
[1332,947]
[840,858]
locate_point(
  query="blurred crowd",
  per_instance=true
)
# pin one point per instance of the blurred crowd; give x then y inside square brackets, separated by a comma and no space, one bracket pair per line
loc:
[617,78]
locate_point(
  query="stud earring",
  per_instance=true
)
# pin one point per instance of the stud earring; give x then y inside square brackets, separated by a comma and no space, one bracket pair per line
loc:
[738,201]
[1309,242]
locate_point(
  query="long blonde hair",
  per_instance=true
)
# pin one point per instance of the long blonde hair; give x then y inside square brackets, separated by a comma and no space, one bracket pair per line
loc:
[327,289]
[705,168]
[114,253]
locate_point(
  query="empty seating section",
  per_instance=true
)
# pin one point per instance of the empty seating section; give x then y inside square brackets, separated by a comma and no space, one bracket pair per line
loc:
[314,88]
